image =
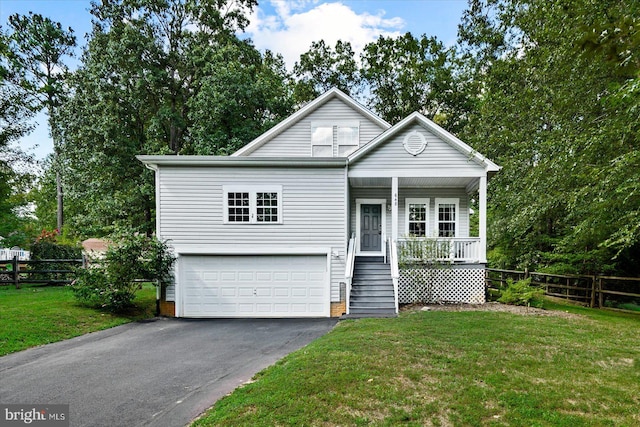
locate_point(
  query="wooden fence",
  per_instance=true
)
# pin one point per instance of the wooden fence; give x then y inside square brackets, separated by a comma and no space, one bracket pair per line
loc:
[46,271]
[594,291]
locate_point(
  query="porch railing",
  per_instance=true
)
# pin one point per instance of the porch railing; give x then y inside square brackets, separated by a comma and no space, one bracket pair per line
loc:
[452,249]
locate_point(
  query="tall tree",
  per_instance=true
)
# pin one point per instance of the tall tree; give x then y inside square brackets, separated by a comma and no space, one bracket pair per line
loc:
[38,47]
[407,74]
[556,109]
[160,77]
[322,68]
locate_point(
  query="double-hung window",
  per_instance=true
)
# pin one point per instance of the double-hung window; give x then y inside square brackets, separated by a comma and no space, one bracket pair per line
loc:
[447,212]
[252,205]
[417,217]
[334,139]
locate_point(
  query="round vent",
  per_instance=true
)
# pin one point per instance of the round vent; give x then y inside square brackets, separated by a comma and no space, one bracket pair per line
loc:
[414,143]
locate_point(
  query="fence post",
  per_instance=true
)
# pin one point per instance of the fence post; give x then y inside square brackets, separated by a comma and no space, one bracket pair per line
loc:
[526,273]
[600,295]
[16,271]
[593,291]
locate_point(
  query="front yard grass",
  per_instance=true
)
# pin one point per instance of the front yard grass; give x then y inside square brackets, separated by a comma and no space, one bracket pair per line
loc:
[32,316]
[452,368]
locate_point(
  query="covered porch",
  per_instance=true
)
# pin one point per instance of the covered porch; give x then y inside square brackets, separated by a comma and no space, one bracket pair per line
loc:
[426,218]
[423,227]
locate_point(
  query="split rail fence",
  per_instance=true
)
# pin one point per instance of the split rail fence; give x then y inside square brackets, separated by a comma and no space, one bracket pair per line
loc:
[44,271]
[595,291]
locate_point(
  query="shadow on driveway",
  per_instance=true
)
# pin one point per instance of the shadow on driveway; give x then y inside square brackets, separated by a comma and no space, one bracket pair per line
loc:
[159,373]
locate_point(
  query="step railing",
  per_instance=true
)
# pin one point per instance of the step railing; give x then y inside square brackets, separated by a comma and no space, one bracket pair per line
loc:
[349,267]
[395,271]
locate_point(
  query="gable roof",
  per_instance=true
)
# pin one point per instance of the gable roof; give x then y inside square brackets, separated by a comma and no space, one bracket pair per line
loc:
[306,110]
[445,136]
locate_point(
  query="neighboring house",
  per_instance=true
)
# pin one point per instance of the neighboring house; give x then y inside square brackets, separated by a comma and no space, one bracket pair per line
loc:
[275,229]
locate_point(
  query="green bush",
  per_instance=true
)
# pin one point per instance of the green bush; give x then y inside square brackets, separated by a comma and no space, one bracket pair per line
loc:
[522,293]
[112,282]
[46,246]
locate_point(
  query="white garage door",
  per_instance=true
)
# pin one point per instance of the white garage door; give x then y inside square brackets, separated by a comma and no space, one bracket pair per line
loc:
[255,286]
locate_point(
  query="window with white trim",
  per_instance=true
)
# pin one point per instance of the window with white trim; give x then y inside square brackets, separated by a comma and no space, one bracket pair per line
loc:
[447,212]
[325,142]
[417,217]
[252,205]
[321,141]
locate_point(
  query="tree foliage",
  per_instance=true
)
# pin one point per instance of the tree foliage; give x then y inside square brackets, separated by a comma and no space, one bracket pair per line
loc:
[160,77]
[322,68]
[557,108]
[111,283]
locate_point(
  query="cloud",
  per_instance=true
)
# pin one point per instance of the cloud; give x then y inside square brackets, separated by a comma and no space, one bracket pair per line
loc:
[289,27]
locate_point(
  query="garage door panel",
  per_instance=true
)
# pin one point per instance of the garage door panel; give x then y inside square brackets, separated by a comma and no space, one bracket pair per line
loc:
[255,286]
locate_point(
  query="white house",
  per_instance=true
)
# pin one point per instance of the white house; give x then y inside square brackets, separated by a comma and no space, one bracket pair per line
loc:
[308,219]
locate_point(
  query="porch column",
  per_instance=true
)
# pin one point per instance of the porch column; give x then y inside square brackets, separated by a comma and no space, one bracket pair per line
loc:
[394,208]
[482,218]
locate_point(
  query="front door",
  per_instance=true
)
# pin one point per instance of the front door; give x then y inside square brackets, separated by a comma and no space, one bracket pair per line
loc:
[370,228]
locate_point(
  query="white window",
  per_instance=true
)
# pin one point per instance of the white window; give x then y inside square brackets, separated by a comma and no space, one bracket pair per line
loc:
[447,212]
[329,139]
[321,141]
[417,217]
[252,205]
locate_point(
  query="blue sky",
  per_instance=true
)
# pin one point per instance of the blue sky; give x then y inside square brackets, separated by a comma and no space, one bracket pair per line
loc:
[286,27]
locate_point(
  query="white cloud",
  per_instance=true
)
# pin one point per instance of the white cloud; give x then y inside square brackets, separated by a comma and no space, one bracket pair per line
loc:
[295,24]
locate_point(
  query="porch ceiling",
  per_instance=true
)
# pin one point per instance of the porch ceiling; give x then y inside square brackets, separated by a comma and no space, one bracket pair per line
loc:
[385,182]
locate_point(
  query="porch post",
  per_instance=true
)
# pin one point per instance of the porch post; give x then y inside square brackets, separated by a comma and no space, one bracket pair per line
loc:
[394,208]
[482,218]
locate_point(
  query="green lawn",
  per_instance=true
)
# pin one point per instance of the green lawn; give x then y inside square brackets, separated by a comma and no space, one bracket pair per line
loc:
[452,368]
[32,316]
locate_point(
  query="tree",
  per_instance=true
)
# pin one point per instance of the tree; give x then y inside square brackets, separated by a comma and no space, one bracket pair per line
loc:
[160,77]
[322,68]
[407,74]
[559,112]
[38,46]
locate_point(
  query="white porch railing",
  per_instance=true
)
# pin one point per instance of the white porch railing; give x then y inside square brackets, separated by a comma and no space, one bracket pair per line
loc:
[348,269]
[452,249]
[395,271]
[9,254]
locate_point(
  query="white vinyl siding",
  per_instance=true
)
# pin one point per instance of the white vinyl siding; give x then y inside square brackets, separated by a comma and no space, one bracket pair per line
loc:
[295,141]
[438,158]
[312,211]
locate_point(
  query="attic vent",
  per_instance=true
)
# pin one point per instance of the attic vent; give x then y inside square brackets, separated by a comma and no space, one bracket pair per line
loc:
[414,143]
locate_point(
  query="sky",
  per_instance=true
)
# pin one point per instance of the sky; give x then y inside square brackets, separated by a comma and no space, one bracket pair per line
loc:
[286,27]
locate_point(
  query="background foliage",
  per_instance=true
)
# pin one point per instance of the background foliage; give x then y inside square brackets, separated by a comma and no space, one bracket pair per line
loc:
[112,282]
[548,89]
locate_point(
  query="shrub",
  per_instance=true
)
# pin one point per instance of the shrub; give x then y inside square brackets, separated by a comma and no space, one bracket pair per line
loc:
[46,246]
[112,282]
[522,293]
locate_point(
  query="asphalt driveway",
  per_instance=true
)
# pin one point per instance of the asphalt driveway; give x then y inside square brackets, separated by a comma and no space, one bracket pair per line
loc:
[159,373]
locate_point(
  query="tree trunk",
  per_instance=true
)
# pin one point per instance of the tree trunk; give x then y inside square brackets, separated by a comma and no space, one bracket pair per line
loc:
[60,215]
